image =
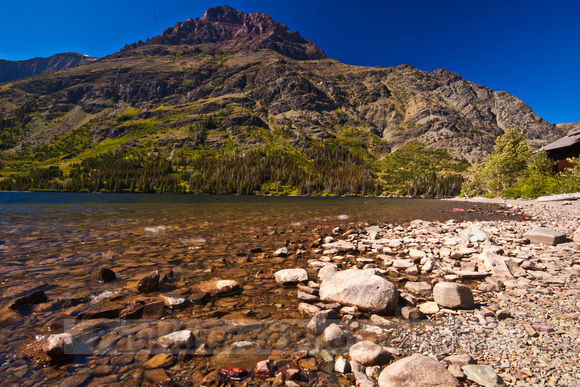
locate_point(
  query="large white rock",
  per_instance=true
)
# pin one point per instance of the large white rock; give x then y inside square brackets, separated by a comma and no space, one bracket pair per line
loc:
[291,276]
[453,295]
[417,370]
[361,288]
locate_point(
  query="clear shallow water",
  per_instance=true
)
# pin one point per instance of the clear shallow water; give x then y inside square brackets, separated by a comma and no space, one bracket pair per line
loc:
[62,238]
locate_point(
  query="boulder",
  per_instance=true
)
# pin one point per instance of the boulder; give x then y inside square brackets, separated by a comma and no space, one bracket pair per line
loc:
[104,274]
[361,288]
[416,255]
[494,264]
[59,346]
[412,313]
[473,235]
[321,320]
[148,283]
[545,236]
[453,295]
[291,276]
[417,370]
[429,308]
[333,336]
[422,288]
[483,375]
[368,353]
[218,287]
[173,301]
[177,340]
[160,360]
[281,252]
[382,322]
[36,297]
[340,246]
[55,350]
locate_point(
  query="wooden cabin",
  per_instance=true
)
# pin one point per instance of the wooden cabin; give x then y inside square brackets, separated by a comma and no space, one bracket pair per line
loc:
[564,148]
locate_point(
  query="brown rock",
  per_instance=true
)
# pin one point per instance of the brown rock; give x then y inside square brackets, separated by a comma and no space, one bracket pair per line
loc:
[36,297]
[161,360]
[148,283]
[75,380]
[530,330]
[20,290]
[218,287]
[132,312]
[453,295]
[412,313]
[159,376]
[104,274]
[154,310]
[382,322]
[417,370]
[106,311]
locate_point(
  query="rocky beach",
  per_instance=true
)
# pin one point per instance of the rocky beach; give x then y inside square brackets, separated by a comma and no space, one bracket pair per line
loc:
[456,302]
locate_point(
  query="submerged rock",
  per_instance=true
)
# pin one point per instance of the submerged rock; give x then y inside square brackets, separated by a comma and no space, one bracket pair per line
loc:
[333,336]
[218,287]
[104,274]
[321,320]
[148,283]
[177,340]
[36,297]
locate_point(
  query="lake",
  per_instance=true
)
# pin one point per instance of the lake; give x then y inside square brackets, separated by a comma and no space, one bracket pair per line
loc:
[61,239]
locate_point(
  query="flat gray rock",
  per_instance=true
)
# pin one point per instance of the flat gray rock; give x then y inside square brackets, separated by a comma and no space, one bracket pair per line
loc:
[545,236]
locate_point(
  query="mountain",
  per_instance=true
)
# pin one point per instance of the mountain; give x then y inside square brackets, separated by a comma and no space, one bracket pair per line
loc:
[13,70]
[230,82]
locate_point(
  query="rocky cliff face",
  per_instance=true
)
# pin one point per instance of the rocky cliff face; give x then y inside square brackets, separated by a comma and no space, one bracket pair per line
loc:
[13,70]
[263,84]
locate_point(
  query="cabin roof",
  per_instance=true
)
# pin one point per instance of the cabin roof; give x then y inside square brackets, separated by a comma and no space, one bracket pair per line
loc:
[564,142]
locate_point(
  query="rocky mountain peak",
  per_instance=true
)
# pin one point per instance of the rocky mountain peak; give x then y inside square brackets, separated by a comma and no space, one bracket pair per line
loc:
[231,30]
[225,14]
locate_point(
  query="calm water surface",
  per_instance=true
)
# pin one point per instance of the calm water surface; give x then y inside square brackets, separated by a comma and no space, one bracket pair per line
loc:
[62,238]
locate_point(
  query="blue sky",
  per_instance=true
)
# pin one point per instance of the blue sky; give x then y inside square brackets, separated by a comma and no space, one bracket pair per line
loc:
[528,48]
